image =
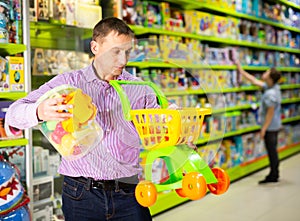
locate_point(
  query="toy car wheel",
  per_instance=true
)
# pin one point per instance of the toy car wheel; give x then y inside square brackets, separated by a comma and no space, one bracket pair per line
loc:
[194,185]
[145,193]
[180,192]
[223,182]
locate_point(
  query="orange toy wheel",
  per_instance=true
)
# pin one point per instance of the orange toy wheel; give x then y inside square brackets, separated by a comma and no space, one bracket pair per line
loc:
[145,193]
[180,192]
[223,182]
[194,186]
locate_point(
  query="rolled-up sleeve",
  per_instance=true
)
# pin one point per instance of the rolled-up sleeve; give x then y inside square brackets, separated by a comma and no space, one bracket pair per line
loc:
[271,100]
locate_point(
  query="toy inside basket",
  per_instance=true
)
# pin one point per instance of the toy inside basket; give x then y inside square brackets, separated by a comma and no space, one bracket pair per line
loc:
[162,127]
[76,136]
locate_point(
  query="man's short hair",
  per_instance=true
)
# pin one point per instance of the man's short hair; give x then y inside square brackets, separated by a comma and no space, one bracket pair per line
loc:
[107,25]
[275,75]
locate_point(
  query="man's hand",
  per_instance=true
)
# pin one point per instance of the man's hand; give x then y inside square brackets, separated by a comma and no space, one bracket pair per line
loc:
[262,133]
[53,109]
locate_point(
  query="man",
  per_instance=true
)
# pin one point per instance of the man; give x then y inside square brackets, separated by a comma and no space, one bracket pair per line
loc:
[100,185]
[270,113]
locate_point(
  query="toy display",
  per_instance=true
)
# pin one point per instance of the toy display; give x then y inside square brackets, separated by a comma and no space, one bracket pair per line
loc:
[76,136]
[167,134]
[13,200]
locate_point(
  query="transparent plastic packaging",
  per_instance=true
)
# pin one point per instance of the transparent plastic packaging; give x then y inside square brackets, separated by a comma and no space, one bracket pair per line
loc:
[77,136]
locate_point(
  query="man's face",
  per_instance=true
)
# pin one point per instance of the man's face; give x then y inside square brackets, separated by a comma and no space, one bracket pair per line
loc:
[112,55]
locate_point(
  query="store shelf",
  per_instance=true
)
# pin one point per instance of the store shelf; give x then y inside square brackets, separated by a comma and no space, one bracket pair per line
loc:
[213,8]
[235,108]
[140,30]
[290,100]
[158,63]
[12,95]
[288,3]
[10,49]
[168,200]
[16,142]
[291,119]
[50,35]
[201,91]
[219,136]
[290,86]
[202,141]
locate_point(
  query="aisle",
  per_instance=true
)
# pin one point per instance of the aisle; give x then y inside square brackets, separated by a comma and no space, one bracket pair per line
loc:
[248,201]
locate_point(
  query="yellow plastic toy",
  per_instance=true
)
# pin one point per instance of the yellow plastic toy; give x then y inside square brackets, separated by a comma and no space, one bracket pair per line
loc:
[165,134]
[76,136]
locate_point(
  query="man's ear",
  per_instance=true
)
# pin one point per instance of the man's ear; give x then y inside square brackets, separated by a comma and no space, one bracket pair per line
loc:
[94,47]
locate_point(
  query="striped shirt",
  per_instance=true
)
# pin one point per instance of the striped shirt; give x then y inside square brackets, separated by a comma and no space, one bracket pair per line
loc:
[117,155]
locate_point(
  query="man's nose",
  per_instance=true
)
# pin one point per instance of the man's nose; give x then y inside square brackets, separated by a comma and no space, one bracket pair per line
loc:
[122,58]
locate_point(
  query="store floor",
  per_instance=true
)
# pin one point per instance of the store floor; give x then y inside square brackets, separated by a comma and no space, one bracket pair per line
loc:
[246,200]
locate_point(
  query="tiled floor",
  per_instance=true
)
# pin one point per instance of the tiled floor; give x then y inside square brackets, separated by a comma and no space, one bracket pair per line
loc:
[248,201]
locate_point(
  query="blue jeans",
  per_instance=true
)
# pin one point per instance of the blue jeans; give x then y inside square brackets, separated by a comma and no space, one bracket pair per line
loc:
[83,203]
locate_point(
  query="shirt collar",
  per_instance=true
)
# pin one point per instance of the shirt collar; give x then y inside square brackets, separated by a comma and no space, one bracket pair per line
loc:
[91,74]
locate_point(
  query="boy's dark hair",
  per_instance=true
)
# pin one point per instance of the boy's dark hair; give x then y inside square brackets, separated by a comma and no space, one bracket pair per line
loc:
[275,75]
[106,25]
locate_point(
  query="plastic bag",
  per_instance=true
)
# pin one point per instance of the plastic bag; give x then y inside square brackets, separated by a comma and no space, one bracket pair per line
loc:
[76,136]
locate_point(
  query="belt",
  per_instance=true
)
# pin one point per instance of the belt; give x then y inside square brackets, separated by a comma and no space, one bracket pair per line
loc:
[123,183]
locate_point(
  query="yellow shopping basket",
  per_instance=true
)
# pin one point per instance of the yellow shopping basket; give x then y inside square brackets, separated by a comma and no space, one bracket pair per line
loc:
[162,127]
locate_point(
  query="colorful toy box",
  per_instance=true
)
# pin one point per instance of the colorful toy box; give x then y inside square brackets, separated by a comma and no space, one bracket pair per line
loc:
[16,73]
[153,17]
[205,22]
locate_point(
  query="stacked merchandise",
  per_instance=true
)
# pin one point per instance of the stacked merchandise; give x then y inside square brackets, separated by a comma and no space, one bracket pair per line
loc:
[10,17]
[69,12]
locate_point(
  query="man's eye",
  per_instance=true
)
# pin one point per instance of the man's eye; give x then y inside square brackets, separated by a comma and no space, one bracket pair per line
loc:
[128,52]
[116,51]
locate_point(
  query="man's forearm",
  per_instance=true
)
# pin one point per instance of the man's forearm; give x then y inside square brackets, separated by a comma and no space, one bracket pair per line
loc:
[268,118]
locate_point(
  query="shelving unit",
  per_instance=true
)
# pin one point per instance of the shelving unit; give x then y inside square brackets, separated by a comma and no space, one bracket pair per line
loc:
[57,36]
[140,30]
[170,199]
[13,49]
[16,142]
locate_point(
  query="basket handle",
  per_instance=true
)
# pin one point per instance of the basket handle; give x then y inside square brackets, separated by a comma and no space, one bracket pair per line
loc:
[163,102]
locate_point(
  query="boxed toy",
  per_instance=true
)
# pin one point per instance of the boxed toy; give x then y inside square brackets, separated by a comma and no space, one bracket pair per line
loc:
[153,17]
[43,9]
[152,47]
[32,10]
[233,28]
[42,188]
[6,133]
[206,23]
[94,12]
[191,25]
[43,211]
[174,20]
[16,73]
[40,160]
[220,26]
[71,12]
[4,77]
[58,11]
[53,164]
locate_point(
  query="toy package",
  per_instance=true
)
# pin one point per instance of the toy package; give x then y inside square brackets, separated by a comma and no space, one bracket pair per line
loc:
[78,135]
[43,9]
[94,12]
[153,18]
[16,73]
